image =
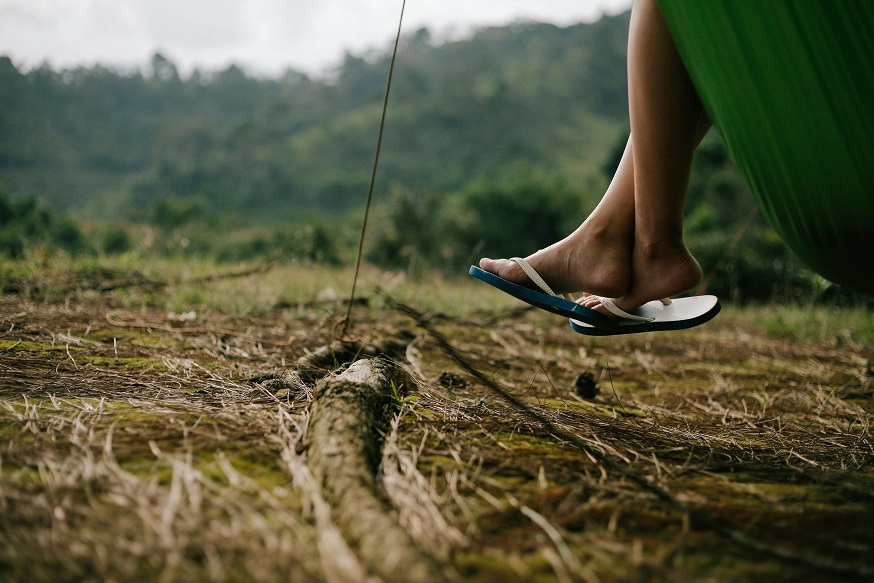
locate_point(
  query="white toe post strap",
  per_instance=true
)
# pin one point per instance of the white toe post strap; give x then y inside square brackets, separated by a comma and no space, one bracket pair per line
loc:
[535,277]
[617,311]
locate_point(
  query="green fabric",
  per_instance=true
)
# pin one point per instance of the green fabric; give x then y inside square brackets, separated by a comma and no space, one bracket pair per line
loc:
[789,84]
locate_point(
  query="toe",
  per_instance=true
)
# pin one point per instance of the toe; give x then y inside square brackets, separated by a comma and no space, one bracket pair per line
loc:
[589,301]
[506,268]
[496,266]
[593,303]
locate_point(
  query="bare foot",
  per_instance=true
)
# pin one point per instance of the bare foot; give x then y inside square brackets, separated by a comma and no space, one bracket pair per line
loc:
[589,259]
[659,270]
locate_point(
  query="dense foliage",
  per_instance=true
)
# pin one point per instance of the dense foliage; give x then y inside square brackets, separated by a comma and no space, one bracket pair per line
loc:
[26,221]
[498,144]
[118,143]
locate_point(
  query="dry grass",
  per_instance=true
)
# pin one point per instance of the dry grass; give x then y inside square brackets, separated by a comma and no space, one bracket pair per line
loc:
[159,446]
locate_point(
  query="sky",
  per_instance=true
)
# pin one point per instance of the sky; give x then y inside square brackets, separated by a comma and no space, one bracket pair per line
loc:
[266,37]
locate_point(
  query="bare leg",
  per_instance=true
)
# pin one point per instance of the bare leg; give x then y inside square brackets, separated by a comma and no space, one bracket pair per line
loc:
[631,246]
[667,123]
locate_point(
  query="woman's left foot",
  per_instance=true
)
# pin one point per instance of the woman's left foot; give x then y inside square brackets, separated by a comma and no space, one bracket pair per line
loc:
[659,271]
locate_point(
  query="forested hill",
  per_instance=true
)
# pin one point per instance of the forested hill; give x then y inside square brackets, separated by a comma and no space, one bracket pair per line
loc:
[106,143]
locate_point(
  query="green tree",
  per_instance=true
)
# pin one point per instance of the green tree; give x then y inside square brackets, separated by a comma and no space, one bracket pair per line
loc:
[525,210]
[27,221]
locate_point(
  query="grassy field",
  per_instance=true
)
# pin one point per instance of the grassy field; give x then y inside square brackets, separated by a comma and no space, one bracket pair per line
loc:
[155,426]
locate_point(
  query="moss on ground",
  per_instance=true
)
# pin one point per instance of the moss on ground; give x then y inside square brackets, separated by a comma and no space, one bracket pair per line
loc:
[146,454]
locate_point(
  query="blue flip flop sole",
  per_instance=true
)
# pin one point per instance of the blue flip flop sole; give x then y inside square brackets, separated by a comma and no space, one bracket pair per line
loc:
[556,305]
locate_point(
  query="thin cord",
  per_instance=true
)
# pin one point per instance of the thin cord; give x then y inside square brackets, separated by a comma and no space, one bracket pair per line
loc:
[391,68]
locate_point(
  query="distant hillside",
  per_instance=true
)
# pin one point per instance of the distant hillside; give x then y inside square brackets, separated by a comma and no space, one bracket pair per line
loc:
[106,143]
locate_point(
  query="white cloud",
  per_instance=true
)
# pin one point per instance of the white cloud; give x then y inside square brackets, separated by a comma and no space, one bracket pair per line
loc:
[264,35]
[191,24]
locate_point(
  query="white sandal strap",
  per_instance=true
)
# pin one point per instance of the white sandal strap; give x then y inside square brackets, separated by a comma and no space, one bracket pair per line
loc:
[613,308]
[617,311]
[538,281]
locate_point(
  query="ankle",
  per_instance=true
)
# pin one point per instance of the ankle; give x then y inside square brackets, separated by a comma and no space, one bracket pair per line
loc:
[606,233]
[661,249]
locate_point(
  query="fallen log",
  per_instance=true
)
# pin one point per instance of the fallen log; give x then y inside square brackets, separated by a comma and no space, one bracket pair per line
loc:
[349,416]
[316,364]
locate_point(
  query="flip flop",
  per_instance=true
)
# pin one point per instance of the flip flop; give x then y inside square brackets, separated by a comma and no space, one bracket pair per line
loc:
[547,299]
[653,316]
